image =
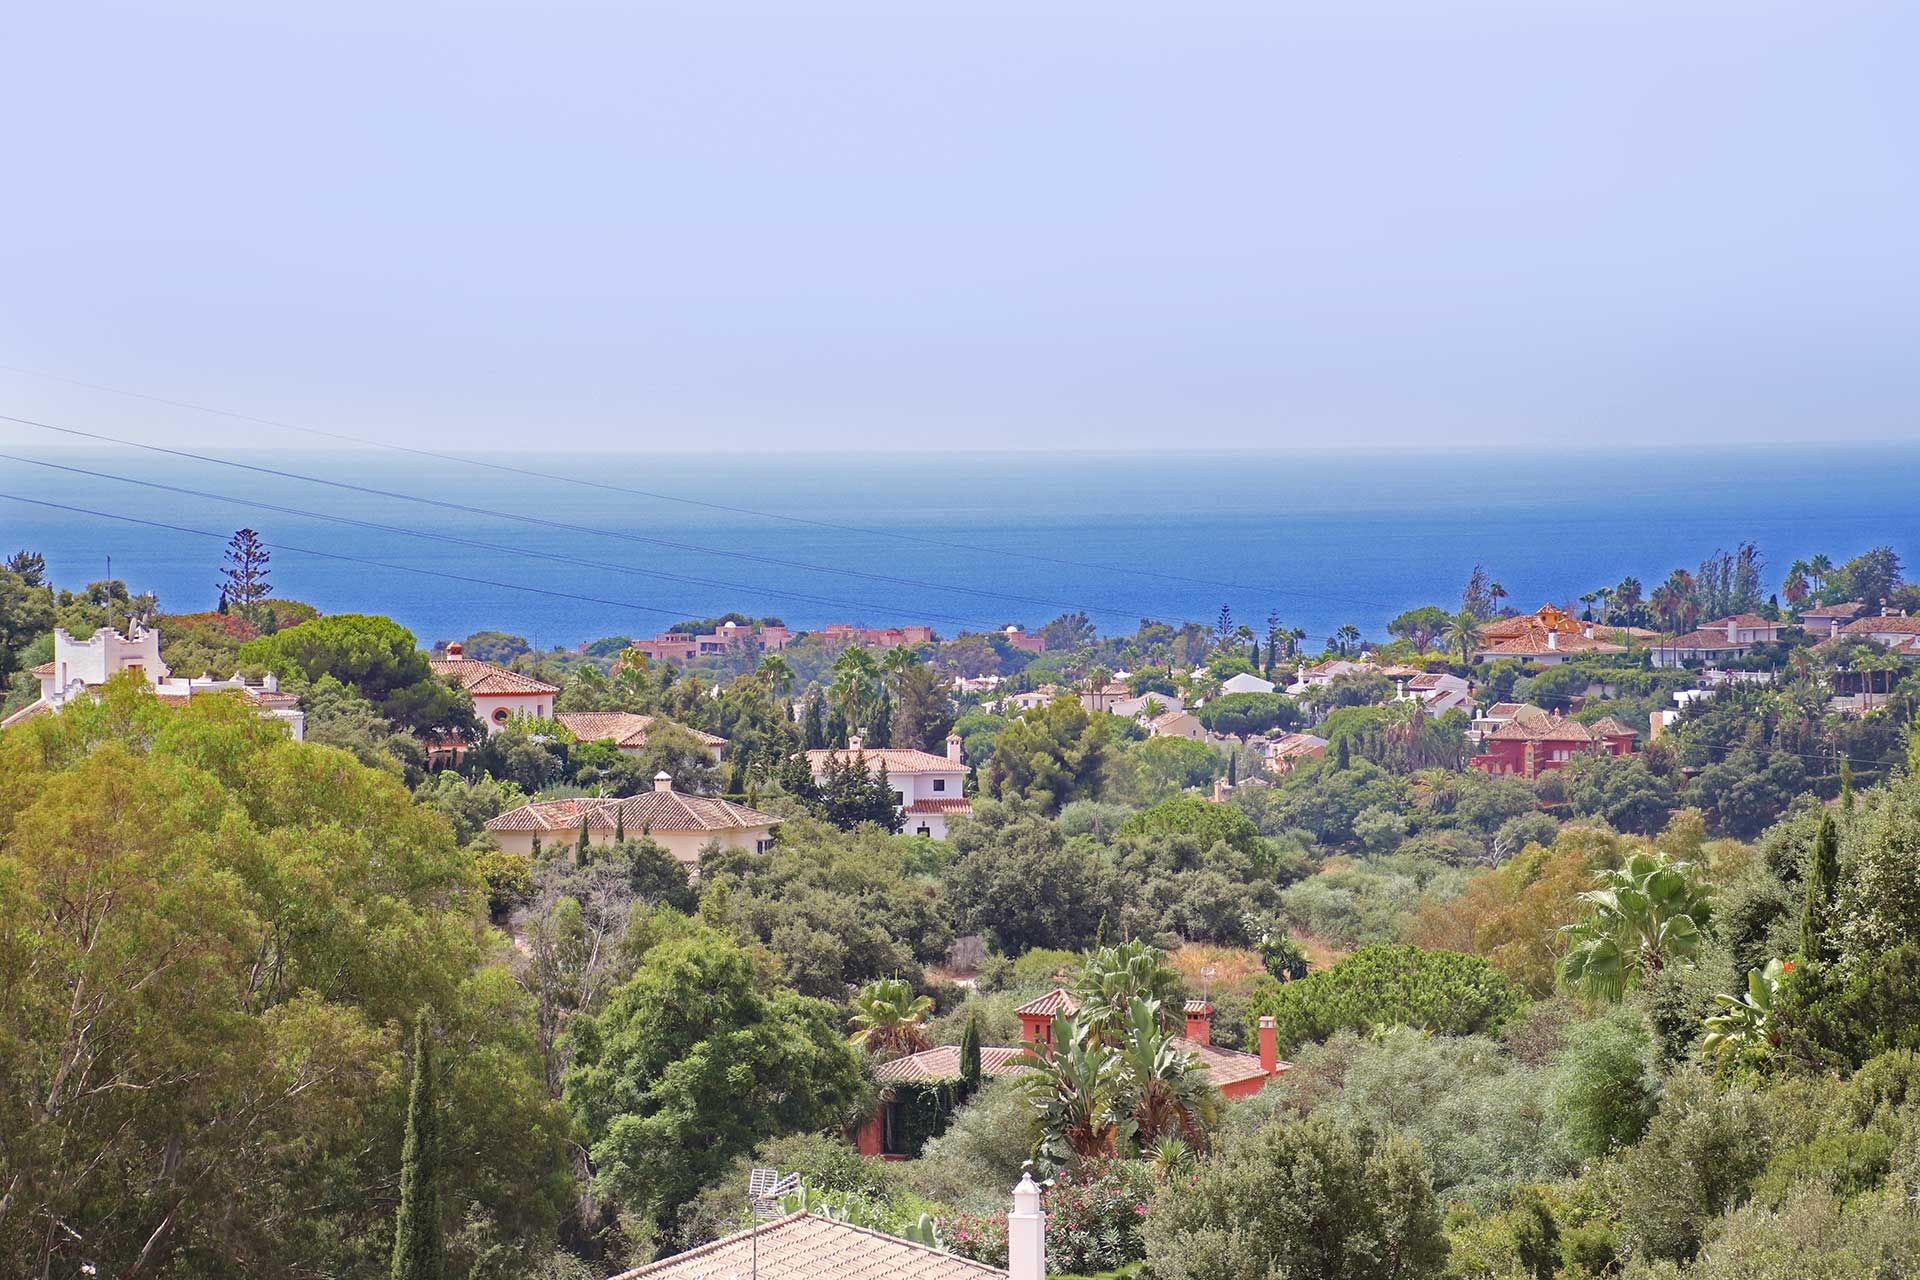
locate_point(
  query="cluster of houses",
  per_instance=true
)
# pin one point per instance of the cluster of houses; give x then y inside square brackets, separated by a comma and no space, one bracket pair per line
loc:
[733,638]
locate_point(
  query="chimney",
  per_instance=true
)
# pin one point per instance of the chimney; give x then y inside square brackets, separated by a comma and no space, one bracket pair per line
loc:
[1026,1232]
[953,748]
[1553,639]
[663,781]
[455,650]
[1199,1022]
[853,742]
[1269,1044]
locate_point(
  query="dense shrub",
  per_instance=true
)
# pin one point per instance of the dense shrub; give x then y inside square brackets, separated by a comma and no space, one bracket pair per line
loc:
[1390,986]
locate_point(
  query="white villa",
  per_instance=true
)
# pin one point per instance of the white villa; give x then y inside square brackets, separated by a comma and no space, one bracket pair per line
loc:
[498,694]
[1246,682]
[81,666]
[681,824]
[1718,641]
[931,789]
[1437,691]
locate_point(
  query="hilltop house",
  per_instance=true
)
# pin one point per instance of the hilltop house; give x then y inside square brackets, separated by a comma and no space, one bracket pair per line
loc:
[1896,631]
[684,646]
[840,635]
[627,730]
[1824,620]
[931,790]
[498,694]
[1718,641]
[1177,724]
[1546,638]
[1245,682]
[1236,1075]
[1285,754]
[80,667]
[1025,642]
[1324,673]
[1437,691]
[681,824]
[1532,741]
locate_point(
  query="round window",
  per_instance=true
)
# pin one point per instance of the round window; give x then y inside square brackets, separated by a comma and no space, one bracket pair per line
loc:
[500,716]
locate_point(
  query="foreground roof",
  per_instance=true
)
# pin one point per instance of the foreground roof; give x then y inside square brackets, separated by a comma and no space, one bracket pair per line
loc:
[1898,625]
[803,1246]
[649,811]
[476,676]
[943,1063]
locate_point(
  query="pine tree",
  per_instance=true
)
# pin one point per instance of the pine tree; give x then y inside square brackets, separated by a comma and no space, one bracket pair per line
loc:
[244,580]
[970,1057]
[1823,883]
[418,1252]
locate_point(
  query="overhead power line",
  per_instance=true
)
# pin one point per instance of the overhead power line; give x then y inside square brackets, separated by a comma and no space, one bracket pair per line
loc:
[732,509]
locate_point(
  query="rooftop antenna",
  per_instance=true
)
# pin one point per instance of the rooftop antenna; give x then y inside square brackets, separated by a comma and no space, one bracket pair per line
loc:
[765,1189]
[1206,983]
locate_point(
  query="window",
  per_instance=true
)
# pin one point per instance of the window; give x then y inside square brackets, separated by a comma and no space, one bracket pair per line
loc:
[939,784]
[500,716]
[925,831]
[763,846]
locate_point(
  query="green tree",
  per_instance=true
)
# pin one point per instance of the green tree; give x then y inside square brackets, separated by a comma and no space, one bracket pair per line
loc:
[1018,880]
[1462,634]
[923,715]
[1421,627]
[1245,714]
[1051,755]
[1114,979]
[970,1070]
[693,1061]
[1823,883]
[889,1020]
[1322,1199]
[243,583]
[26,609]
[1383,985]
[378,657]
[419,1253]
[1643,917]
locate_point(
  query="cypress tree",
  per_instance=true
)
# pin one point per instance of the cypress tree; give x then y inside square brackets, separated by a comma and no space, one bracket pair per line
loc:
[737,780]
[1233,770]
[418,1253]
[580,849]
[813,731]
[620,824]
[970,1057]
[1254,657]
[536,848]
[1846,785]
[1343,757]
[1823,882]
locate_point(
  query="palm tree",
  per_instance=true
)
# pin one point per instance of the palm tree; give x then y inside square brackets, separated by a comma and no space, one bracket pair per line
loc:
[1076,1090]
[1463,633]
[1167,1092]
[1496,593]
[889,1020]
[1818,568]
[775,670]
[855,692]
[1642,917]
[1347,635]
[1115,978]
[1588,600]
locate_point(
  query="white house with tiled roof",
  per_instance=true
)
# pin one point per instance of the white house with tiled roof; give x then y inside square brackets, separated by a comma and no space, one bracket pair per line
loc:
[1897,631]
[627,730]
[1718,641]
[931,789]
[498,694]
[81,666]
[681,824]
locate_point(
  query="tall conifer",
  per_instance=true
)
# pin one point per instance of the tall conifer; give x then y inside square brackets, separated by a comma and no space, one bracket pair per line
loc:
[418,1252]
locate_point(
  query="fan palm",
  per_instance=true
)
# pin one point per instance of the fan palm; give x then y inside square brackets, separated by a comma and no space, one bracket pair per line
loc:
[1642,917]
[890,1020]
[1462,634]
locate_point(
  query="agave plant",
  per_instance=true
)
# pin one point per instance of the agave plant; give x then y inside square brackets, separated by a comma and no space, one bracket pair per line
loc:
[889,1019]
[1077,1091]
[1643,917]
[1746,1020]
[1115,977]
[1165,1091]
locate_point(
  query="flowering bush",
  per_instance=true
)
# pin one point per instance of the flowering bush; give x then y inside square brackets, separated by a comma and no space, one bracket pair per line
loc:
[1095,1216]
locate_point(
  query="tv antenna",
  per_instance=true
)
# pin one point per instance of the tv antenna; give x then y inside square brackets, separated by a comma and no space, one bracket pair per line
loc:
[765,1190]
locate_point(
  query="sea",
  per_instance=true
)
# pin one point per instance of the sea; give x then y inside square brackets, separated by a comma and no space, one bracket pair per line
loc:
[610,544]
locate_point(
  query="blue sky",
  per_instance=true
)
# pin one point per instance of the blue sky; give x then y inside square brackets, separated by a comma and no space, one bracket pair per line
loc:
[698,226]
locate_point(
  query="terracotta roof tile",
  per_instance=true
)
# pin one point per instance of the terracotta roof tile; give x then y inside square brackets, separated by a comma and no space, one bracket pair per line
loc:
[649,811]
[806,1247]
[1898,626]
[1608,727]
[897,760]
[42,671]
[31,711]
[624,728]
[1542,728]
[480,677]
[1057,1001]
[943,1063]
[956,804]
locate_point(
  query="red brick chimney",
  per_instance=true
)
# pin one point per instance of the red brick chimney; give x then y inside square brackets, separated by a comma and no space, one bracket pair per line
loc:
[456,650]
[1269,1044]
[1199,1022]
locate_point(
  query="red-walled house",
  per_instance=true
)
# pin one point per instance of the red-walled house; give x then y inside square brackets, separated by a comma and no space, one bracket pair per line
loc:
[1236,1075]
[1535,741]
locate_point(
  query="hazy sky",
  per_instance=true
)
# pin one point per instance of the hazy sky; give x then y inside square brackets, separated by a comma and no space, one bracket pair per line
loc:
[1030,225]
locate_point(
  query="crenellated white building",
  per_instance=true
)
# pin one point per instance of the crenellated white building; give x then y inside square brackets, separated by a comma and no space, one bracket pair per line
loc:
[81,666]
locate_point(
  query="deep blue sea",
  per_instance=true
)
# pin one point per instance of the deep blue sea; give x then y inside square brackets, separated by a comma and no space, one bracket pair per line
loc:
[958,541]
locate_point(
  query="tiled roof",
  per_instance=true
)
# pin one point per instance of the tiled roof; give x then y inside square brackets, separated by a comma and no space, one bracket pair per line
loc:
[476,676]
[28,712]
[625,728]
[1619,634]
[1167,718]
[1897,626]
[1542,728]
[804,1246]
[648,811]
[897,760]
[1706,638]
[1608,727]
[42,671]
[956,804]
[1851,609]
[1296,744]
[1226,1066]
[1198,1006]
[943,1063]
[1057,1001]
[1747,620]
[1504,710]
[1533,642]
